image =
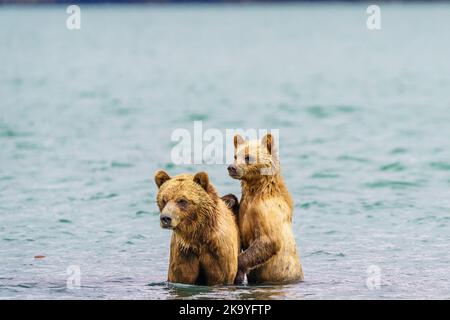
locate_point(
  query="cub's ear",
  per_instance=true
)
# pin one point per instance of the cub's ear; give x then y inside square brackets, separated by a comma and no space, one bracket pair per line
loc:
[160,177]
[268,142]
[238,140]
[202,179]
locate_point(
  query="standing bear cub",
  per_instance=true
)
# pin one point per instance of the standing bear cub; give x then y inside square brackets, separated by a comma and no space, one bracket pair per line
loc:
[265,215]
[205,241]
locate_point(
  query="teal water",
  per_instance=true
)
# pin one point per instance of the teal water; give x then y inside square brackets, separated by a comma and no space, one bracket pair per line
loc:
[86,118]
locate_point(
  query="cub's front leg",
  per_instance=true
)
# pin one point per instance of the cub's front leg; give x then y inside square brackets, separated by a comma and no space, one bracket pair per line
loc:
[184,265]
[260,251]
[262,233]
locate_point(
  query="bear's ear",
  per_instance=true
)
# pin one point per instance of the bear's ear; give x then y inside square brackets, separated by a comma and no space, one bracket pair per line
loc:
[267,141]
[238,140]
[202,179]
[160,177]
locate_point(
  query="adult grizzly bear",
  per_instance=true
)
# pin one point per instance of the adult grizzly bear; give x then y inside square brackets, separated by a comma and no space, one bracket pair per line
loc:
[265,215]
[205,241]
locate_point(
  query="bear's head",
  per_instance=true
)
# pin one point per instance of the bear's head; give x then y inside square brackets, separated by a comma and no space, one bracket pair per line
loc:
[253,159]
[185,201]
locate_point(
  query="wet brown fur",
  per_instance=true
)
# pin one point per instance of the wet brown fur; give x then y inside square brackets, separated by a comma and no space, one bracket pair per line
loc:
[265,217]
[205,241]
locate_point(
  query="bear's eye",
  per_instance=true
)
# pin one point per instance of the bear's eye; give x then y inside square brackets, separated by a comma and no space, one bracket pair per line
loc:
[247,159]
[163,202]
[235,157]
[182,203]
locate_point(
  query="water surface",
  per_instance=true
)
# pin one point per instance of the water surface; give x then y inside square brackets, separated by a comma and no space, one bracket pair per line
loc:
[86,118]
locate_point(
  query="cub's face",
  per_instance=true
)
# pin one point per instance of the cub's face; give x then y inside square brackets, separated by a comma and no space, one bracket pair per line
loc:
[179,198]
[252,158]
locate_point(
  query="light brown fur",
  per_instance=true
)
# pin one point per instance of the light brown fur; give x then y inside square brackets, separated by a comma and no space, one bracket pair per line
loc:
[205,240]
[265,216]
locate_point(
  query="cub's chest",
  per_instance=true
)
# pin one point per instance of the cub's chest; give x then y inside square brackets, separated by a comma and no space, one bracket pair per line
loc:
[248,222]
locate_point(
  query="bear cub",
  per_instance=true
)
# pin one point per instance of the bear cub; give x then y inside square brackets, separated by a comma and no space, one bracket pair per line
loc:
[265,215]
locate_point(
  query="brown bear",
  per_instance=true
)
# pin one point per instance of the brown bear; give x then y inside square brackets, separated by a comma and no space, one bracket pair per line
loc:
[265,215]
[205,241]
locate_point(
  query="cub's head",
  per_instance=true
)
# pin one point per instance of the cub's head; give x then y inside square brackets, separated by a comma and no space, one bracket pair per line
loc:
[253,159]
[183,200]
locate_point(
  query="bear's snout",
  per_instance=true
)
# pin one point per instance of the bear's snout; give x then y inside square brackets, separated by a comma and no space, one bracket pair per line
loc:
[166,221]
[170,216]
[232,170]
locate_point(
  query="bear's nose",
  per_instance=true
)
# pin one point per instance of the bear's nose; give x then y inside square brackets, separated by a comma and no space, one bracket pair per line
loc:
[232,169]
[166,220]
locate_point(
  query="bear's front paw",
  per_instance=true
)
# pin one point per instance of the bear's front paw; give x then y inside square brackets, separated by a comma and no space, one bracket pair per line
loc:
[232,203]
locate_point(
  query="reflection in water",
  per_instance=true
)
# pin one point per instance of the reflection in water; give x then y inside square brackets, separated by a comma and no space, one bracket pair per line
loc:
[246,292]
[262,292]
[186,291]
